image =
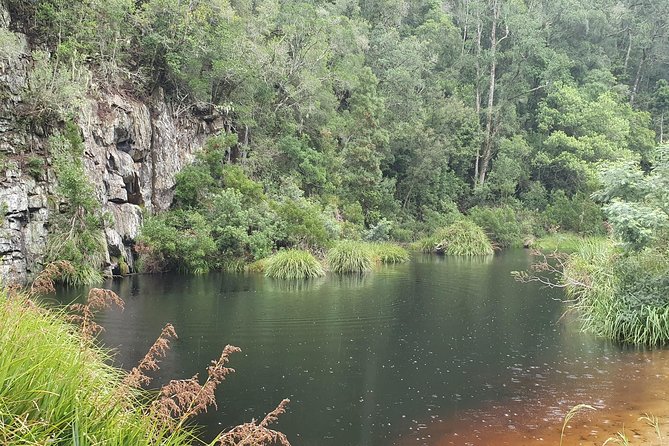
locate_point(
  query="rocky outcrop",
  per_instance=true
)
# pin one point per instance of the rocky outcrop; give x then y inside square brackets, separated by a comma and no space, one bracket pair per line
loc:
[133,150]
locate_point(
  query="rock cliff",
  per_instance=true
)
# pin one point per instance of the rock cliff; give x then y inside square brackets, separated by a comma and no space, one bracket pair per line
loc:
[133,150]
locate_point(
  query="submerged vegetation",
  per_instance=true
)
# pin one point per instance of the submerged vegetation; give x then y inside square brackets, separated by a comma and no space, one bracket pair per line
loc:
[293,264]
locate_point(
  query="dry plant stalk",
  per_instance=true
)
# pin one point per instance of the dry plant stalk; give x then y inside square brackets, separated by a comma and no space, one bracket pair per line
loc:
[256,434]
[137,376]
[44,282]
[182,399]
[98,299]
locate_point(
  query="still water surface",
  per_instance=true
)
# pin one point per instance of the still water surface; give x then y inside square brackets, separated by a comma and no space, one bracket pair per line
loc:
[433,352]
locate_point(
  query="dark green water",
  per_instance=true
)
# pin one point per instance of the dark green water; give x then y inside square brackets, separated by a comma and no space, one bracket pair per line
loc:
[373,360]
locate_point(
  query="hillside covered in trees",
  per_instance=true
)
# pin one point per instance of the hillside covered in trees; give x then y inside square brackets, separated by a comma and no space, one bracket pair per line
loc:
[371,119]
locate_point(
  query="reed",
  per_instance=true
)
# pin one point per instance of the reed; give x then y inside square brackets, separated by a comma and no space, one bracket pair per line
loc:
[390,253]
[293,264]
[348,257]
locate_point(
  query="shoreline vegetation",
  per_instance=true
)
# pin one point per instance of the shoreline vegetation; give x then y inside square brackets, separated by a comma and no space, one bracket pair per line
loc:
[58,387]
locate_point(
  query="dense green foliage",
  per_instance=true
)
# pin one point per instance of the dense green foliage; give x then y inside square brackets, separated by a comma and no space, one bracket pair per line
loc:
[621,296]
[351,257]
[77,229]
[293,264]
[461,238]
[620,285]
[59,390]
[390,253]
[377,119]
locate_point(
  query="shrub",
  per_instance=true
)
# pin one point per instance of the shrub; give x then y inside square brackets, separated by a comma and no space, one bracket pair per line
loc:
[380,232]
[462,238]
[177,240]
[77,231]
[576,214]
[54,91]
[390,253]
[293,264]
[351,257]
[500,223]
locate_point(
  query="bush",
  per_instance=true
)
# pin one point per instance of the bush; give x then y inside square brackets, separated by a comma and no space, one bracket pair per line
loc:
[293,264]
[77,230]
[390,253]
[500,223]
[621,296]
[177,240]
[576,214]
[351,257]
[462,238]
[55,91]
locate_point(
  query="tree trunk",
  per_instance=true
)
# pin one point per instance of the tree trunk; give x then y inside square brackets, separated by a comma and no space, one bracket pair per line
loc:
[479,32]
[637,79]
[488,142]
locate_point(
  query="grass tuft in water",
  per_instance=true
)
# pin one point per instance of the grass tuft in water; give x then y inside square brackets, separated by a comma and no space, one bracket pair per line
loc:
[390,253]
[462,238]
[351,257]
[293,264]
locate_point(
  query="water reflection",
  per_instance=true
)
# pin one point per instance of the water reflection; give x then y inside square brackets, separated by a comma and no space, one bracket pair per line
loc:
[431,352]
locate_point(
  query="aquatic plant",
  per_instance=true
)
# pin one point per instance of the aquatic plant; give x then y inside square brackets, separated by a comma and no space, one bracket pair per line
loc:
[462,238]
[293,264]
[619,295]
[390,253]
[351,257]
[571,414]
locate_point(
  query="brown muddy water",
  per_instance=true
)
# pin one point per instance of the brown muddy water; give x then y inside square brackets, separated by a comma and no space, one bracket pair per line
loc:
[438,351]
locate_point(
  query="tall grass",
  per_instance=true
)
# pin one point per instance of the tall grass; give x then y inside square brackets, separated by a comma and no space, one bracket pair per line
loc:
[56,392]
[462,238]
[621,296]
[390,253]
[351,257]
[563,242]
[293,264]
[57,388]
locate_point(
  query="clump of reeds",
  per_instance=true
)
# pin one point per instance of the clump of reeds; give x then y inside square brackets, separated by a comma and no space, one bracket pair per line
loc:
[293,264]
[53,392]
[462,238]
[258,266]
[351,257]
[390,253]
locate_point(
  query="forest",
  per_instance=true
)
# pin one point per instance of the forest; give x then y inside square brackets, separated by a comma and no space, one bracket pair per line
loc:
[354,132]
[372,121]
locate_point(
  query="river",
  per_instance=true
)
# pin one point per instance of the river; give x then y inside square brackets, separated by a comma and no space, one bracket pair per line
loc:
[437,351]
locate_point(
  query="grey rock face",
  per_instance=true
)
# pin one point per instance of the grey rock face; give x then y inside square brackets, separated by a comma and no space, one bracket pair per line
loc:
[133,150]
